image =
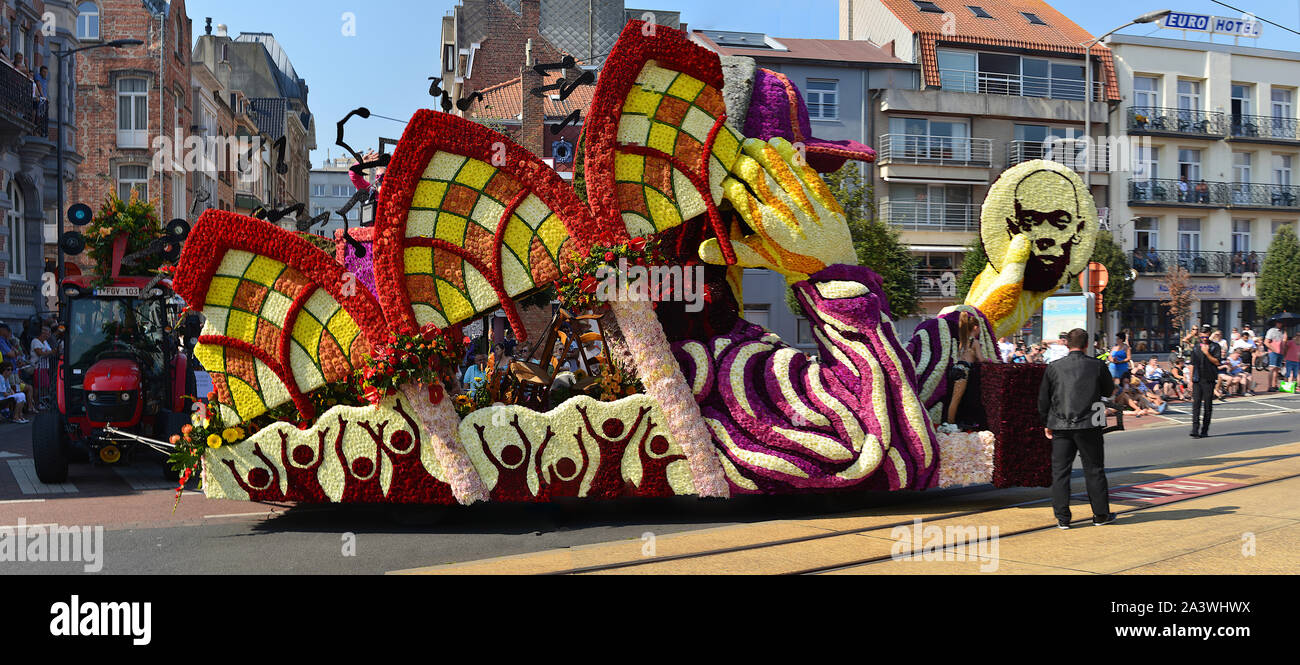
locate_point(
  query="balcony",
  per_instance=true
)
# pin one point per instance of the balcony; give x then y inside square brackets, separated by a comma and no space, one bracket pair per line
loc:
[938,150]
[1158,262]
[1181,123]
[1070,152]
[19,105]
[1166,192]
[926,216]
[1256,195]
[1263,129]
[937,283]
[1014,85]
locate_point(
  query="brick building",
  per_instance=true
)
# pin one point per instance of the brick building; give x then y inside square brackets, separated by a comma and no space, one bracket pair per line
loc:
[130,98]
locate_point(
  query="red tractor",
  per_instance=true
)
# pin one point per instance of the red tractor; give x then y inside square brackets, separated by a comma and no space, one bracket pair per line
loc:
[124,375]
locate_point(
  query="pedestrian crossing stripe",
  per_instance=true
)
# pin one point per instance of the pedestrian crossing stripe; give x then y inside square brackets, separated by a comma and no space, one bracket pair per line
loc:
[24,471]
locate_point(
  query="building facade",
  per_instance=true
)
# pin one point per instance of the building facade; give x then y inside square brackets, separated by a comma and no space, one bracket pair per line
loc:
[28,132]
[1212,177]
[999,82]
[130,101]
[331,189]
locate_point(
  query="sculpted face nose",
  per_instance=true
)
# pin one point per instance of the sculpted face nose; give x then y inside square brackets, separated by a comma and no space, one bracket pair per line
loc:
[1044,244]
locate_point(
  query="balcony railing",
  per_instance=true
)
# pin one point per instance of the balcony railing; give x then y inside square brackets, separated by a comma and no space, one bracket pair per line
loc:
[1263,127]
[944,150]
[936,282]
[1072,153]
[1178,192]
[1015,85]
[926,216]
[19,101]
[1158,262]
[1185,122]
[1257,195]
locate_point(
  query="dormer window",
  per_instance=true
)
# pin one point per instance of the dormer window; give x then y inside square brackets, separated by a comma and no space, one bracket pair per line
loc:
[927,6]
[1033,18]
[978,11]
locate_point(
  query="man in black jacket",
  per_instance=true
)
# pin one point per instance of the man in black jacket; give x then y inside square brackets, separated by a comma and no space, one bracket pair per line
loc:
[1206,357]
[1069,402]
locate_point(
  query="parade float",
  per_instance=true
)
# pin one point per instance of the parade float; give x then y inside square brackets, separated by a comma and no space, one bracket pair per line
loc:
[337,375]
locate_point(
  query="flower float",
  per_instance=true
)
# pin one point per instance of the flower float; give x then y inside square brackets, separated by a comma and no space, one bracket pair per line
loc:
[336,375]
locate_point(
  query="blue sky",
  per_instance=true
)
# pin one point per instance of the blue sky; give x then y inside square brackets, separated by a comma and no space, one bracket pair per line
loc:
[386,65]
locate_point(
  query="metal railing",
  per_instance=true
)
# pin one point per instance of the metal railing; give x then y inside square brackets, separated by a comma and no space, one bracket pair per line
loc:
[1070,152]
[19,99]
[22,294]
[1192,193]
[1158,262]
[1015,85]
[1189,122]
[926,216]
[1264,196]
[1263,127]
[936,282]
[946,150]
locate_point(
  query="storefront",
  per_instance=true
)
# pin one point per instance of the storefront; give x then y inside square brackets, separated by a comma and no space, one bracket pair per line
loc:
[1220,304]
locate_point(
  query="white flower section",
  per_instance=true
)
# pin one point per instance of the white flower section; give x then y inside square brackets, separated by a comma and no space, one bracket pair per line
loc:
[749,457]
[840,290]
[822,446]
[633,129]
[739,365]
[655,78]
[276,308]
[781,365]
[421,223]
[443,166]
[234,263]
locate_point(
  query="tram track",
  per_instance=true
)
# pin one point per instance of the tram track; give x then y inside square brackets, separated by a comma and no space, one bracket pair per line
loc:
[769,544]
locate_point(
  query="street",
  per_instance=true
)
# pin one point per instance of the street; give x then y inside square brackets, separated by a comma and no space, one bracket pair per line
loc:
[143,535]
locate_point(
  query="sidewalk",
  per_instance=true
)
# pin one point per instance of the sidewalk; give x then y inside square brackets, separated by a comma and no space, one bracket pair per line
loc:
[1190,517]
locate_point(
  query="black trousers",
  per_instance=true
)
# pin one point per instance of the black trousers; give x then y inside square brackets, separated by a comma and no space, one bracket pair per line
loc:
[1202,399]
[1088,444]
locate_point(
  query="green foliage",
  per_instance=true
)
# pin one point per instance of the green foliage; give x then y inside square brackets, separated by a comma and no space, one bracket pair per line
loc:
[877,244]
[971,266]
[1119,290]
[137,219]
[1279,280]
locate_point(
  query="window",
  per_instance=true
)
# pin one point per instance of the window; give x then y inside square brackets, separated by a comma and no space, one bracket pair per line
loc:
[178,197]
[1241,235]
[1033,18]
[341,191]
[1241,176]
[318,190]
[823,99]
[1146,163]
[88,21]
[1146,92]
[932,139]
[1241,95]
[978,11]
[14,219]
[957,71]
[132,177]
[1189,165]
[1284,125]
[1147,233]
[132,113]
[805,334]
[1278,224]
[1189,95]
[1282,170]
[759,315]
[1189,235]
[927,6]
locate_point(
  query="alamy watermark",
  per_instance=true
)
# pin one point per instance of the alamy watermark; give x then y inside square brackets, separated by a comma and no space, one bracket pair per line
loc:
[179,153]
[52,543]
[651,284]
[920,542]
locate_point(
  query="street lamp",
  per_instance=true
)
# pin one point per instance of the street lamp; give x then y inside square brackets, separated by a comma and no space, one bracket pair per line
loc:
[1149,17]
[58,187]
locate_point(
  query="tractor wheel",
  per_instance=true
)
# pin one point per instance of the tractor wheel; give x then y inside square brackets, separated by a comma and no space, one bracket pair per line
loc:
[50,448]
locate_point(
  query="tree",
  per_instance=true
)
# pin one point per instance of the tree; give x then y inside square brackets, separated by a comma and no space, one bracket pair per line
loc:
[1119,289]
[971,266]
[1279,281]
[877,244]
[1182,297]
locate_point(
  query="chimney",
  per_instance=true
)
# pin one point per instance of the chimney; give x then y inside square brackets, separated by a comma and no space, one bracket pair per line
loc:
[531,11]
[207,27]
[532,128]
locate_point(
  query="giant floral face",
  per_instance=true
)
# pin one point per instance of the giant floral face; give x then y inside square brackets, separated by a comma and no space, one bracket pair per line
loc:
[1048,203]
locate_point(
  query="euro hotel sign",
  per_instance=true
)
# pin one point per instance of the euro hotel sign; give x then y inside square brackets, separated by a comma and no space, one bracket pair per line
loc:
[1215,25]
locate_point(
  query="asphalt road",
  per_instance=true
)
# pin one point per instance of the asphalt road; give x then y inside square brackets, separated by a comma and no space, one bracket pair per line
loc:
[141,534]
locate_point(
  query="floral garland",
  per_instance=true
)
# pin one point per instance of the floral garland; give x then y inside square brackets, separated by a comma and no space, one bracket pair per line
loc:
[430,357]
[135,218]
[579,289]
[967,458]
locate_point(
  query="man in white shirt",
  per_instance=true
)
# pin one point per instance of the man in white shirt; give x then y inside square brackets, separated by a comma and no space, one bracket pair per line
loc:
[1007,348]
[1056,350]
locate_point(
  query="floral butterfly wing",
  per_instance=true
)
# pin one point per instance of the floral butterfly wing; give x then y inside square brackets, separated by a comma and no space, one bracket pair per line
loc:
[657,146]
[469,221]
[283,318]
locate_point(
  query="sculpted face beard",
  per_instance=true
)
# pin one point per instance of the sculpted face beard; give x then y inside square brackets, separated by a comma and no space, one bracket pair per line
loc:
[1052,236]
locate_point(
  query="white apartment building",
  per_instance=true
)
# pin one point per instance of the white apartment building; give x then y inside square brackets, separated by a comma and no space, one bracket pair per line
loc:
[1212,173]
